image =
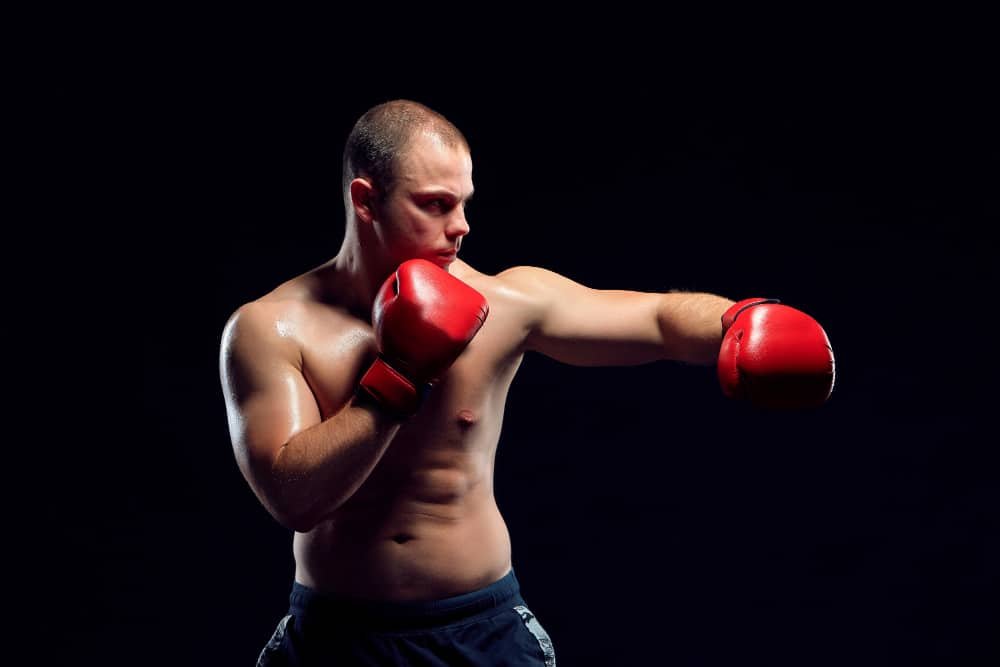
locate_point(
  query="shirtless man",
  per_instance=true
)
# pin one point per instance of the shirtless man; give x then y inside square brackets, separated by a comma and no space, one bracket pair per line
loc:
[375,444]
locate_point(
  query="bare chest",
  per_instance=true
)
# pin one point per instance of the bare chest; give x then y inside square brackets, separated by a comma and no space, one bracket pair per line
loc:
[468,398]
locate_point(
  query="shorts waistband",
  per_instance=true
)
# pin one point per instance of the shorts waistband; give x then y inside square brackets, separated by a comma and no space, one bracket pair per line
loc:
[311,605]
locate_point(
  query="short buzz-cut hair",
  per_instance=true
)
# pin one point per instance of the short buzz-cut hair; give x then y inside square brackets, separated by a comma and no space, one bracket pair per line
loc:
[381,136]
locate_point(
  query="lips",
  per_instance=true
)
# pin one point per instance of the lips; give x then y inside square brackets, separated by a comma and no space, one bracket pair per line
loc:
[443,257]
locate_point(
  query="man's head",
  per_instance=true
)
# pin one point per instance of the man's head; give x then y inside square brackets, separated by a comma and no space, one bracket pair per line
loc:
[407,176]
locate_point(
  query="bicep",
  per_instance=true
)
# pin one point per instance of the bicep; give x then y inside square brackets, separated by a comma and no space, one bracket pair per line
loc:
[579,325]
[267,397]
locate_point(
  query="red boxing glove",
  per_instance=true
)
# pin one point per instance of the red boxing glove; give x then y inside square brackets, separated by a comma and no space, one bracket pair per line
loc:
[423,317]
[774,356]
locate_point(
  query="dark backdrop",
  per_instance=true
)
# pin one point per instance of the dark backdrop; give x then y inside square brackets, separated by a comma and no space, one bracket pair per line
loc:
[653,521]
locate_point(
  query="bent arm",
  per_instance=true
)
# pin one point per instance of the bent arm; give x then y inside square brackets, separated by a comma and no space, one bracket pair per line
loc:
[319,468]
[588,327]
[300,466]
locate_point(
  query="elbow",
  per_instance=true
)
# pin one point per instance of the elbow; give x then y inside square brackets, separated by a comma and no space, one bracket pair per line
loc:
[287,499]
[300,514]
[284,508]
[294,516]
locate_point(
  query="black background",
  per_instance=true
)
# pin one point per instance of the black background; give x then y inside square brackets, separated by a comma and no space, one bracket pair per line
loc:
[653,521]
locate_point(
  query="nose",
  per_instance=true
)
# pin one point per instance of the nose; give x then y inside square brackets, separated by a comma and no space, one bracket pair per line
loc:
[458,226]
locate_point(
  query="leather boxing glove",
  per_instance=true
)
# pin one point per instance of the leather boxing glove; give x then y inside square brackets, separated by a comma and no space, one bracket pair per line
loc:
[423,318]
[774,356]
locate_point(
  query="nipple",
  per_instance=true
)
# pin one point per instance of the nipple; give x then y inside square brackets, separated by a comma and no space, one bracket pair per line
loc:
[466,418]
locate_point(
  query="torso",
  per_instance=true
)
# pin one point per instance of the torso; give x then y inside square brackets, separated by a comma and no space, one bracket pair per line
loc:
[425,523]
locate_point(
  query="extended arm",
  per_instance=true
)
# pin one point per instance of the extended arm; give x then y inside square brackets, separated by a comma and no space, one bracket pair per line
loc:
[769,354]
[588,327]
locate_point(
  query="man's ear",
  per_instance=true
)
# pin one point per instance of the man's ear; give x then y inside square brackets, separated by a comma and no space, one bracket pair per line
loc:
[363,199]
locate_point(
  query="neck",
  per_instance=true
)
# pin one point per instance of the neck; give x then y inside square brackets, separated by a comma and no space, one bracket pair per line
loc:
[356,275]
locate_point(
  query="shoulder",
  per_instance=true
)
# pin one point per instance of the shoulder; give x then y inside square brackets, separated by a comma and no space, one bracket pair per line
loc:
[262,323]
[526,293]
[527,279]
[517,282]
[293,327]
[291,312]
[263,315]
[539,287]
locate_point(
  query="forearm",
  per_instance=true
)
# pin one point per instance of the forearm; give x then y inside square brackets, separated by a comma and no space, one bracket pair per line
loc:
[690,325]
[319,468]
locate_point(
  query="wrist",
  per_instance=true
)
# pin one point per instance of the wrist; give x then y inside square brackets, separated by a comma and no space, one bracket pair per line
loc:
[390,390]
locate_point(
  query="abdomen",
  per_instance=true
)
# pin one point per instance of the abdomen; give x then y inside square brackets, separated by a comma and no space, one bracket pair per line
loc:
[413,550]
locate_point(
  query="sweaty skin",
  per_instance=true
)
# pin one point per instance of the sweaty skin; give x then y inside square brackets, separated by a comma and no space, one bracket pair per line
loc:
[405,510]
[425,523]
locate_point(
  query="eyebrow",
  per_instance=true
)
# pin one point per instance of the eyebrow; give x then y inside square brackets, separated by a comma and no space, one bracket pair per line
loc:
[425,194]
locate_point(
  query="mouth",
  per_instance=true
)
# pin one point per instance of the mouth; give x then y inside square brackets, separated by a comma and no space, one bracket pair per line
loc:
[442,257]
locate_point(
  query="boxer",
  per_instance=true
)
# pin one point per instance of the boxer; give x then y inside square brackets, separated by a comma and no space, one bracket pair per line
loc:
[365,398]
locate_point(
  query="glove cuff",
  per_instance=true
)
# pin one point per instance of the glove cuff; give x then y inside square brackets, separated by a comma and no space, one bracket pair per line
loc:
[391,389]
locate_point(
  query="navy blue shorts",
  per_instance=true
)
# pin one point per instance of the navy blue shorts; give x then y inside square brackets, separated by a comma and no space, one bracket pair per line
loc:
[491,626]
